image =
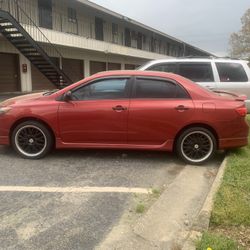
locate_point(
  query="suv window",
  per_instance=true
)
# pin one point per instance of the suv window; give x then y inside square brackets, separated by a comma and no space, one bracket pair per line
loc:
[164,67]
[197,72]
[231,72]
[103,89]
[154,88]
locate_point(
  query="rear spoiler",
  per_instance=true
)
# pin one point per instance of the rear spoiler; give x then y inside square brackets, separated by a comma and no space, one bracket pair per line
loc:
[240,97]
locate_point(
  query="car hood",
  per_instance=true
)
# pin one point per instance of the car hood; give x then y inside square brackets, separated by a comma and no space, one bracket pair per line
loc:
[21,99]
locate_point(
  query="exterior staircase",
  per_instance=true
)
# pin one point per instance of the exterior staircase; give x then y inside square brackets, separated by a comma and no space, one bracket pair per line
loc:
[17,35]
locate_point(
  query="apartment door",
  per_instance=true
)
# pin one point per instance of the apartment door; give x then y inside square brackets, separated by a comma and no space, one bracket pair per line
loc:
[98,29]
[45,13]
[73,68]
[96,67]
[139,41]
[9,72]
[114,66]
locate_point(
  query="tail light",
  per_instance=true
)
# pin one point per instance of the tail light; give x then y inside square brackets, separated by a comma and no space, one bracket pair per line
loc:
[241,111]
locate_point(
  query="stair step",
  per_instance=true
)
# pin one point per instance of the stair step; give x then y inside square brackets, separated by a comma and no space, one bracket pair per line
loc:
[40,62]
[12,32]
[55,74]
[27,49]
[19,41]
[46,69]
[2,20]
[27,53]
[24,46]
[7,26]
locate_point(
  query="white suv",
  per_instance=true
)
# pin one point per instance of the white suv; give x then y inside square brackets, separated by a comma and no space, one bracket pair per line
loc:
[214,73]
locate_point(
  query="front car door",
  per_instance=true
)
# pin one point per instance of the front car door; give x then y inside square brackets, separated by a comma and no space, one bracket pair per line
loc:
[158,108]
[97,113]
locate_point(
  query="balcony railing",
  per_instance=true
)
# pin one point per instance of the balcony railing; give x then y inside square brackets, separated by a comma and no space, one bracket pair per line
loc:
[80,25]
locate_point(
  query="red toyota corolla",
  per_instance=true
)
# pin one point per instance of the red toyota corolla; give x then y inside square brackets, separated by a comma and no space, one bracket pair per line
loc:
[126,110]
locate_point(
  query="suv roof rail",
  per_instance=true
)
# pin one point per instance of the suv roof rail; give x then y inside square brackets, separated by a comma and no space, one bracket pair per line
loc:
[209,57]
[202,57]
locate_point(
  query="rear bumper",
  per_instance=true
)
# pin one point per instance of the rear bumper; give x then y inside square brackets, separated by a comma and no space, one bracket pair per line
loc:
[233,142]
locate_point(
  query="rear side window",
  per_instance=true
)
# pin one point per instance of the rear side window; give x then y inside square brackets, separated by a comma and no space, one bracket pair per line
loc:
[154,88]
[197,72]
[164,67]
[231,72]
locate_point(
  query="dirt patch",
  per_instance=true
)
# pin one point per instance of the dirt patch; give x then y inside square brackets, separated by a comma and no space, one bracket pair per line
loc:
[241,234]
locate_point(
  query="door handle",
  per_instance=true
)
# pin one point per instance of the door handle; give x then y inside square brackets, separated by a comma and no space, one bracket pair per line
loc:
[119,108]
[181,108]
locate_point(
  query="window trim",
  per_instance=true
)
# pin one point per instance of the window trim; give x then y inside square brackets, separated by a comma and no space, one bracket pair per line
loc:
[133,94]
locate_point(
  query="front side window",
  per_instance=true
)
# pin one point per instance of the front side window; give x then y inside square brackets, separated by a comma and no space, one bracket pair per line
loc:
[102,89]
[164,67]
[154,88]
[231,72]
[197,72]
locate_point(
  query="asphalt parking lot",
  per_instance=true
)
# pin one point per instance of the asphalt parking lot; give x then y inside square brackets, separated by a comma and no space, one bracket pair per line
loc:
[73,199]
[62,219]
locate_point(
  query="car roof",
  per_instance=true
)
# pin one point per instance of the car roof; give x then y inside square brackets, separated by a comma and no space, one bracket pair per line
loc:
[186,83]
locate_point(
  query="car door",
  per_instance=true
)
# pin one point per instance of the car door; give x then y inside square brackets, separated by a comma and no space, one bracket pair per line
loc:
[158,109]
[97,113]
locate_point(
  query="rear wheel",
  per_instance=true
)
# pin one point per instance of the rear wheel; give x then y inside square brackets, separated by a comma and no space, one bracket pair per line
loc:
[31,140]
[196,145]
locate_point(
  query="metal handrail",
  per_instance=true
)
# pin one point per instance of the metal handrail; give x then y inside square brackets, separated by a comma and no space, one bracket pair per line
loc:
[34,24]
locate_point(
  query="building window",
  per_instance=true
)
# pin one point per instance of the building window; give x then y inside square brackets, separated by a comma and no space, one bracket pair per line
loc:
[72,15]
[114,33]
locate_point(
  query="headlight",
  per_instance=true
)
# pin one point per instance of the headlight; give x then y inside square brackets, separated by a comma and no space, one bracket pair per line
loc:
[4,110]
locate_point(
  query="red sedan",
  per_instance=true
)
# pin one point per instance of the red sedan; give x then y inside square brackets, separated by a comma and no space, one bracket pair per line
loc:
[126,110]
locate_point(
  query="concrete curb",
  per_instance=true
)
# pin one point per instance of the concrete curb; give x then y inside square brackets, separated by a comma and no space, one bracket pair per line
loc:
[202,222]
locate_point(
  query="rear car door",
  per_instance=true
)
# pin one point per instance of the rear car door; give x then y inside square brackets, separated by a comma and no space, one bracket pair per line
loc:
[158,108]
[97,113]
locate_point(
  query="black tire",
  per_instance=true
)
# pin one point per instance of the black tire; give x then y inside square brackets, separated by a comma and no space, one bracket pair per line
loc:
[31,140]
[196,145]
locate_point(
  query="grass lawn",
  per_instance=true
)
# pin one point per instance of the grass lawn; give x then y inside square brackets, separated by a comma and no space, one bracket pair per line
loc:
[230,220]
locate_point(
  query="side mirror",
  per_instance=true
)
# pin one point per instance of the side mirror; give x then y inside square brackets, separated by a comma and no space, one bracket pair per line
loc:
[67,96]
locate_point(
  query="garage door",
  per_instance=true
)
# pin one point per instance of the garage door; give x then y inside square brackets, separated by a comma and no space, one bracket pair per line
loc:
[96,67]
[130,66]
[9,73]
[39,81]
[73,68]
[114,66]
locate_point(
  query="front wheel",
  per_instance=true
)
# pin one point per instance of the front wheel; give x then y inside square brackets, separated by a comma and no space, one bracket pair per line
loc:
[31,140]
[196,145]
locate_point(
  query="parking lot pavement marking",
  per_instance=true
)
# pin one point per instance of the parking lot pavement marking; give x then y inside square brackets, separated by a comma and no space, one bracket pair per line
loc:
[74,189]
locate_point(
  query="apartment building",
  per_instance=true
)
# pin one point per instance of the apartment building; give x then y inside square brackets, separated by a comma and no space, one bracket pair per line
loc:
[46,44]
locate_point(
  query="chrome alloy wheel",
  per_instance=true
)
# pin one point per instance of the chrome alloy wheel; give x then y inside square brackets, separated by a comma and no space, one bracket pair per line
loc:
[30,141]
[197,146]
